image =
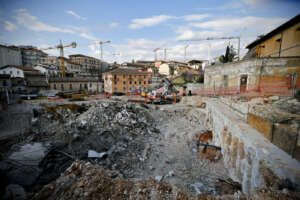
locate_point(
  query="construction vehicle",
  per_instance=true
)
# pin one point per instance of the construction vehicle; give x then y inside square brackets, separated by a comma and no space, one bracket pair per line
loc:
[163,95]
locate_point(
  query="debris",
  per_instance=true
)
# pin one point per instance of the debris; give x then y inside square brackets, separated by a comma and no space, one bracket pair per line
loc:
[95,154]
[159,178]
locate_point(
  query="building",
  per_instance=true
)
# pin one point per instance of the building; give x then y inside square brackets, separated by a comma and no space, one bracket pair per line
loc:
[171,68]
[26,79]
[284,41]
[16,71]
[78,84]
[31,56]
[10,56]
[262,76]
[89,64]
[125,80]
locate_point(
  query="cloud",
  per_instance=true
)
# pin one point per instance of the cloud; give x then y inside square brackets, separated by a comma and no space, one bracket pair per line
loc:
[151,21]
[188,34]
[33,23]
[195,17]
[70,12]
[256,24]
[113,25]
[88,36]
[9,26]
[255,3]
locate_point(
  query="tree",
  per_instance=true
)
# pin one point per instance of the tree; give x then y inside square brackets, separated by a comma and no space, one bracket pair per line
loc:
[229,55]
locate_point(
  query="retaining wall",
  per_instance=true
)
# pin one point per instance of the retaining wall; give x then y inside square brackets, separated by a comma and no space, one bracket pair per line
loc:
[250,158]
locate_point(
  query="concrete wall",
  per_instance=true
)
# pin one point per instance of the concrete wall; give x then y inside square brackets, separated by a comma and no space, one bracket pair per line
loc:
[264,76]
[9,56]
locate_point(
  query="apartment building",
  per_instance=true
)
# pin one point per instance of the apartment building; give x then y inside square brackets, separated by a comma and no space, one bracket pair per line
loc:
[89,64]
[31,56]
[125,80]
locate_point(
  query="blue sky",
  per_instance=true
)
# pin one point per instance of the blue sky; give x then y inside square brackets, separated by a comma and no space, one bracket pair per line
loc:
[137,27]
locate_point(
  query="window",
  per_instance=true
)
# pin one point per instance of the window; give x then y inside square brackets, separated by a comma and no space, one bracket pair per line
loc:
[149,82]
[130,82]
[80,86]
[54,86]
[10,72]
[144,82]
[70,86]
[90,85]
[85,86]
[144,76]
[140,82]
[124,82]
[18,72]
[62,87]
[124,88]
[134,82]
[4,83]
[123,76]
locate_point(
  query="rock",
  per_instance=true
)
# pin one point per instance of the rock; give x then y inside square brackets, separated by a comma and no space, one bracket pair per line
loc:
[273,98]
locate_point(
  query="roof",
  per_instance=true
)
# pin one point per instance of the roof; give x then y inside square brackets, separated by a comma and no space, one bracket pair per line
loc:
[279,29]
[24,68]
[127,71]
[81,55]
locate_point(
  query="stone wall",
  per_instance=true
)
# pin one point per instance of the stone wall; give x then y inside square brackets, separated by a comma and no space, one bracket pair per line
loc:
[263,76]
[250,158]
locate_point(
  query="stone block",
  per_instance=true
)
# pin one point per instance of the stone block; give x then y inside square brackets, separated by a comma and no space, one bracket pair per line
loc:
[285,137]
[262,125]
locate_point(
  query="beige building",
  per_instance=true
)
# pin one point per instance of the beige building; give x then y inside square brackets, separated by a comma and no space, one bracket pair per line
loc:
[283,41]
[89,64]
[124,80]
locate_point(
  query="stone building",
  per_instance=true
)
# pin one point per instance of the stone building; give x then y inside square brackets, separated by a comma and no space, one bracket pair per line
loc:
[283,41]
[124,80]
[10,56]
[275,76]
[78,84]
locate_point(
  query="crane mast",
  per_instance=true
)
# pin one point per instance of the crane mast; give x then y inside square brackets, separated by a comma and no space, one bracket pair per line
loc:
[61,51]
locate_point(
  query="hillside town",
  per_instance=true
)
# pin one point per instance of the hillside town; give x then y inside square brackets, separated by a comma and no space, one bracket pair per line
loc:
[77,126]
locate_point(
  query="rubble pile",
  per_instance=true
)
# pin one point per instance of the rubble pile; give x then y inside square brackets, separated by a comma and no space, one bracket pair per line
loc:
[82,180]
[112,134]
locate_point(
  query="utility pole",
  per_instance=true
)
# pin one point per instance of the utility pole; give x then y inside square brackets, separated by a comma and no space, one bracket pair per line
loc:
[186,46]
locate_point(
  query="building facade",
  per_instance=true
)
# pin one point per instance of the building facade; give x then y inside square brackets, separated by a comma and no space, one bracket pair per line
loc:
[31,56]
[89,64]
[264,76]
[124,80]
[283,41]
[78,84]
[10,56]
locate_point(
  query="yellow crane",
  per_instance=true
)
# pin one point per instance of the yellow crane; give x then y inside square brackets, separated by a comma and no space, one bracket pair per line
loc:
[61,48]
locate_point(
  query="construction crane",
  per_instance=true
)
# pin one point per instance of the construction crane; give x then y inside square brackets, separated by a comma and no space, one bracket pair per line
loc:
[155,54]
[61,48]
[220,38]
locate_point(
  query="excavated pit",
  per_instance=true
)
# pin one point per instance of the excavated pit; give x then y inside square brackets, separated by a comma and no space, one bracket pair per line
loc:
[135,140]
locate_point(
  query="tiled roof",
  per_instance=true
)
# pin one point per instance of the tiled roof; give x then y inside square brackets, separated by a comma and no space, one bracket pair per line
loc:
[127,71]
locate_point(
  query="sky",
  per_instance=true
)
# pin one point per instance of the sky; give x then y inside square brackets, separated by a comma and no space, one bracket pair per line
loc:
[135,27]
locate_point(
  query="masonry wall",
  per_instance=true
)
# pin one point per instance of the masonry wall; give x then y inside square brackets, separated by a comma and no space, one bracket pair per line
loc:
[89,86]
[279,76]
